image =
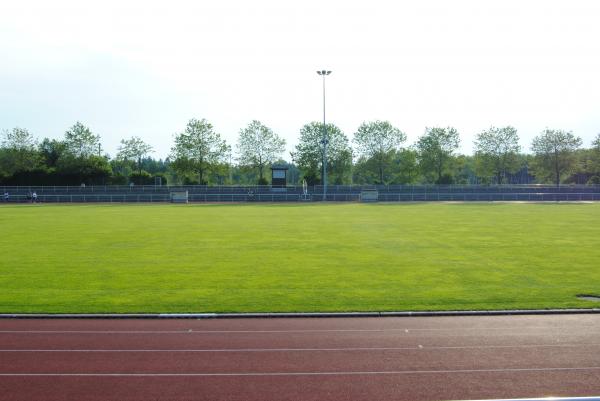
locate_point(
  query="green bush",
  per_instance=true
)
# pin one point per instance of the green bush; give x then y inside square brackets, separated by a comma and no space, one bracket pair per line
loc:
[141,178]
[117,179]
[594,180]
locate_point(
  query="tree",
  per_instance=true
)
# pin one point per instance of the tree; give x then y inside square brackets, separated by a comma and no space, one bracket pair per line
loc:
[402,168]
[91,170]
[375,140]
[586,165]
[18,139]
[435,149]
[596,143]
[258,146]
[19,152]
[406,168]
[553,151]
[81,142]
[497,152]
[463,170]
[51,151]
[309,153]
[134,150]
[198,149]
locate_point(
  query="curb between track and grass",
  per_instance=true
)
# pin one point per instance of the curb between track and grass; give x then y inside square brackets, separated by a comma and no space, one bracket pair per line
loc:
[296,314]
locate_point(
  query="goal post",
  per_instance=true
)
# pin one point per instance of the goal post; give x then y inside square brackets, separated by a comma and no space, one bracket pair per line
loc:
[179,197]
[369,195]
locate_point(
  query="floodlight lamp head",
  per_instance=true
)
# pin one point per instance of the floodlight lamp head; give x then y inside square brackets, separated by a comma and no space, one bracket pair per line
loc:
[323,72]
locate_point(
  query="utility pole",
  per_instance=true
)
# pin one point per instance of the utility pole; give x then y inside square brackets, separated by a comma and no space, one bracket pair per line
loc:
[230,170]
[324,141]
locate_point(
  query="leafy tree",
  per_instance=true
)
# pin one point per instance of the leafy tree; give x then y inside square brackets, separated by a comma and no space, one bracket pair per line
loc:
[584,167]
[81,142]
[596,143]
[596,155]
[198,149]
[141,178]
[154,166]
[134,149]
[339,171]
[18,139]
[376,140]
[18,152]
[219,172]
[258,146]
[309,153]
[402,168]
[554,151]
[588,162]
[497,152]
[406,168]
[92,170]
[435,149]
[463,170]
[51,150]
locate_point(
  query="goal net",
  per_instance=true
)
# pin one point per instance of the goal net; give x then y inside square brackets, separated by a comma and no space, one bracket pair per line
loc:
[179,197]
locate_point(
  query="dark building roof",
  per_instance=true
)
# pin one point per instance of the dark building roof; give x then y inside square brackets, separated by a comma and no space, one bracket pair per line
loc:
[279,167]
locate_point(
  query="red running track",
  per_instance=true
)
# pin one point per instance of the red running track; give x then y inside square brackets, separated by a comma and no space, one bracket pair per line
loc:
[441,358]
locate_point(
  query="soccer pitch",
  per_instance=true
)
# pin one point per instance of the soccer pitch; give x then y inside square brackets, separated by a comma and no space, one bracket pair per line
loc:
[298,257]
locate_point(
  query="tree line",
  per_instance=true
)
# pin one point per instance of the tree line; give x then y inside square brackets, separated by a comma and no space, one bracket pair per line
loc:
[376,154]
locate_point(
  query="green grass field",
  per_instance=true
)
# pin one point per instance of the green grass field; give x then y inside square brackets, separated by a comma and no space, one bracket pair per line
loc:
[336,257]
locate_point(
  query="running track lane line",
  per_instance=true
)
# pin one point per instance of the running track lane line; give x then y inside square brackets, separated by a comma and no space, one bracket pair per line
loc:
[349,373]
[276,331]
[420,347]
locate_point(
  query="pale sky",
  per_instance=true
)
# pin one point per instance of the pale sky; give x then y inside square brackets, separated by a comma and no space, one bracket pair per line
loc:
[145,68]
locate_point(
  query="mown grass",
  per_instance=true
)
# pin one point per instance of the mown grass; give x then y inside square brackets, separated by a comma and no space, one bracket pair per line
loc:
[336,257]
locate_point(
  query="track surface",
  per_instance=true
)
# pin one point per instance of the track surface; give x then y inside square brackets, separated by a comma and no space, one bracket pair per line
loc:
[442,358]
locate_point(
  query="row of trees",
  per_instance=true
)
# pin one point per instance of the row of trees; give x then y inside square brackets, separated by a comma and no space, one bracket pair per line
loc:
[379,156]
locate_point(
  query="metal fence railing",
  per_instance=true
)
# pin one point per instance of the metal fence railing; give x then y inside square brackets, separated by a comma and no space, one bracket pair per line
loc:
[337,193]
[317,197]
[102,189]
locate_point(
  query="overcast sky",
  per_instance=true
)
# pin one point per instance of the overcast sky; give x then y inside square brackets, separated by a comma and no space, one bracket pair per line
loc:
[145,68]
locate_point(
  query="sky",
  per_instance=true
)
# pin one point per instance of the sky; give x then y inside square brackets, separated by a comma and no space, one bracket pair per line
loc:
[144,68]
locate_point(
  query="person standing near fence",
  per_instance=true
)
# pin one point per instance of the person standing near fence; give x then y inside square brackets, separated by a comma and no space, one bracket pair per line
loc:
[6,196]
[34,197]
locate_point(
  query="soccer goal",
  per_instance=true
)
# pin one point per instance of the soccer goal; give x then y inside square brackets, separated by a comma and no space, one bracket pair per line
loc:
[179,197]
[369,195]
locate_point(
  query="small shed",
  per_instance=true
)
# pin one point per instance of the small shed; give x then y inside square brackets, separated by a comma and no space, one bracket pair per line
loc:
[279,176]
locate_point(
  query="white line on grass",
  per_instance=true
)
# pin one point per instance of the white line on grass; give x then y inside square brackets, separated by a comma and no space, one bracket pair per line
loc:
[419,347]
[391,372]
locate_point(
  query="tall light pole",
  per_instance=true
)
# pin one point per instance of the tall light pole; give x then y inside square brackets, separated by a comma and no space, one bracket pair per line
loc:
[324,141]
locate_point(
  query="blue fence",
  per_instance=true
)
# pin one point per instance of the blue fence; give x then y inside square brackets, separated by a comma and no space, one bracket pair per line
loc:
[339,193]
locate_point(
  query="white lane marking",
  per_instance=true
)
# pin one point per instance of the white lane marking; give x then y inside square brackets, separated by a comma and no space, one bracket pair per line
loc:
[191,331]
[419,347]
[384,372]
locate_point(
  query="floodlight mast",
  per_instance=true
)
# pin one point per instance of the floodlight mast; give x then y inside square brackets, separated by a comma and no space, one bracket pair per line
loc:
[324,141]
